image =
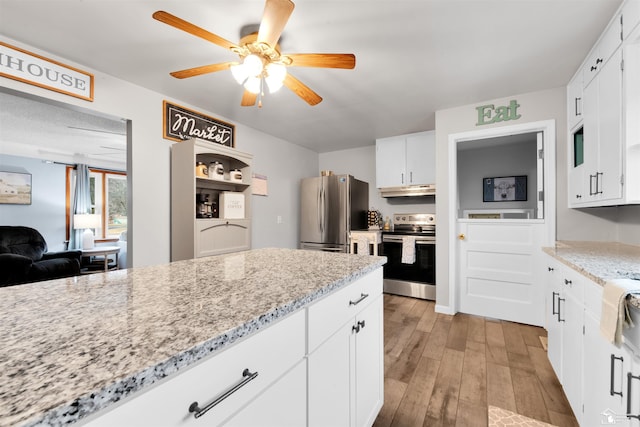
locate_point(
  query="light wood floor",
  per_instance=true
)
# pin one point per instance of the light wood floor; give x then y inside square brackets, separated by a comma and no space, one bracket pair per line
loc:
[445,370]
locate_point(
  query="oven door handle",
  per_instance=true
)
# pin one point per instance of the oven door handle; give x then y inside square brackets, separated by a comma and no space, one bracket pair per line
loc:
[399,240]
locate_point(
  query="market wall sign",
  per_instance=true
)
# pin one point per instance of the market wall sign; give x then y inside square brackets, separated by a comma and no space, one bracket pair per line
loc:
[489,113]
[180,123]
[27,67]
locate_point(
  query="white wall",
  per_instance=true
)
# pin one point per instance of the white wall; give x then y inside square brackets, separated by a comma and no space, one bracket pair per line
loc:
[150,156]
[505,160]
[361,163]
[47,211]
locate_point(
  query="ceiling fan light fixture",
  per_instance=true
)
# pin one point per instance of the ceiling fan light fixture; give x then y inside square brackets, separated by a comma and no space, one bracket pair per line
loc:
[275,76]
[239,73]
[253,65]
[253,84]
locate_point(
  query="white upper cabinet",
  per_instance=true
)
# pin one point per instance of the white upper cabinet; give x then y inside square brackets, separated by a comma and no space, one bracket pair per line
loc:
[604,133]
[630,17]
[406,160]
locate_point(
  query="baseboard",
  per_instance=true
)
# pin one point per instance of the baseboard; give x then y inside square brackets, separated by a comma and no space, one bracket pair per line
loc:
[444,309]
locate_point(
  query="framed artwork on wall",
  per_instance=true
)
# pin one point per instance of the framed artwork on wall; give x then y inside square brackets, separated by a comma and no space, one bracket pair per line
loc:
[15,188]
[504,189]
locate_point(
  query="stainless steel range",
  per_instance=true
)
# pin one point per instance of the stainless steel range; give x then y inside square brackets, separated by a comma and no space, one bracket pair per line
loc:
[411,256]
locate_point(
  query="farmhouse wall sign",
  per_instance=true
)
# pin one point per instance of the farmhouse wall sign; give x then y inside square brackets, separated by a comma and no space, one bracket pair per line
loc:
[27,67]
[489,113]
[180,123]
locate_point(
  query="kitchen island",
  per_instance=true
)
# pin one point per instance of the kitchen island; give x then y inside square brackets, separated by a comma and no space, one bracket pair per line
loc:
[71,348]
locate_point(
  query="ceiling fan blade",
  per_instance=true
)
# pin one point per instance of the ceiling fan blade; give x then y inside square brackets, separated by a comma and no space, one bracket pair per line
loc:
[204,69]
[323,60]
[248,99]
[302,90]
[183,25]
[274,18]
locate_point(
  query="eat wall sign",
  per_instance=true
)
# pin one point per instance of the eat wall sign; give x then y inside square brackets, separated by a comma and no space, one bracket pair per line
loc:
[489,113]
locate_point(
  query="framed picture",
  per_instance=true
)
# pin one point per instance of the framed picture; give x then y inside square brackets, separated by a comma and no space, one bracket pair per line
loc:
[504,189]
[15,188]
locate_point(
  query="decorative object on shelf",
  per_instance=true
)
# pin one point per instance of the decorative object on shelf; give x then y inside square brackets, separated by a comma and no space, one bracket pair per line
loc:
[235,175]
[231,205]
[201,170]
[216,171]
[15,188]
[88,222]
[180,123]
[260,61]
[504,189]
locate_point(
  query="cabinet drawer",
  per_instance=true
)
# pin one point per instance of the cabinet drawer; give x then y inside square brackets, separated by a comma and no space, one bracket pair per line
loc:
[270,353]
[572,283]
[328,314]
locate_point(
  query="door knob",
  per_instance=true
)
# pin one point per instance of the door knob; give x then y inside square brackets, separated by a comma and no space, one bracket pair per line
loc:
[461,236]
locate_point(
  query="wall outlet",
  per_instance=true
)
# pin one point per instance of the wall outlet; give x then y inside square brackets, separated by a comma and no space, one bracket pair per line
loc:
[279,219]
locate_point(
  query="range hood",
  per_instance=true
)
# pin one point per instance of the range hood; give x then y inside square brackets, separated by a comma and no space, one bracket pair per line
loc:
[409,191]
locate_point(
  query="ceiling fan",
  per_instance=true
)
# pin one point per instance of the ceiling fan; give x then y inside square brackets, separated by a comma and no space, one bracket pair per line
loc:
[260,59]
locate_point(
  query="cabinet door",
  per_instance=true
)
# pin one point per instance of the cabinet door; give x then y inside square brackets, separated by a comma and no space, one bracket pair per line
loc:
[421,158]
[218,236]
[554,326]
[604,376]
[369,376]
[574,101]
[609,82]
[632,398]
[390,162]
[329,380]
[591,136]
[284,404]
[572,317]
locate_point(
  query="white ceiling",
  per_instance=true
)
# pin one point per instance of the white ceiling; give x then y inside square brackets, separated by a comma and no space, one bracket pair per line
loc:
[414,57]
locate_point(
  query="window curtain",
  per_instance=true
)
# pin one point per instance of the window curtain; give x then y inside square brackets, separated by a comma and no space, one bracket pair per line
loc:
[81,203]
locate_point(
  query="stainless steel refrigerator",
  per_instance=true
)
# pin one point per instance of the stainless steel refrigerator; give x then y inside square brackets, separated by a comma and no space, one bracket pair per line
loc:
[331,206]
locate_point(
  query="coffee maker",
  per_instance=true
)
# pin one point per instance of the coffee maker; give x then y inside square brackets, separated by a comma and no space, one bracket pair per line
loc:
[204,207]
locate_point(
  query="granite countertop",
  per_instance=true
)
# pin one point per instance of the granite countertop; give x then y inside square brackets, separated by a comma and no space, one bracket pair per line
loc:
[71,346]
[600,261]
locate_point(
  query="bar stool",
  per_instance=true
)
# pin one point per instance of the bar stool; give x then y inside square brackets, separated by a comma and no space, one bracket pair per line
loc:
[374,238]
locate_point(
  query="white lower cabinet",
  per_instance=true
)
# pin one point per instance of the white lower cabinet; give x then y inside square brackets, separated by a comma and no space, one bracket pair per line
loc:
[601,381]
[346,372]
[320,366]
[564,320]
[346,378]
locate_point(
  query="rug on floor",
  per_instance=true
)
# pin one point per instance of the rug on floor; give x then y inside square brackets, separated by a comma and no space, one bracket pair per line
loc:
[499,417]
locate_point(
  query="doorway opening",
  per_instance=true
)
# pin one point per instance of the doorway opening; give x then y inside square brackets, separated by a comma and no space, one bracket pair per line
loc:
[44,137]
[503,199]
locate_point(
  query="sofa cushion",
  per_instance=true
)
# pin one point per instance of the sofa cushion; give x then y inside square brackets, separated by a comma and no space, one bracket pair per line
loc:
[53,269]
[14,268]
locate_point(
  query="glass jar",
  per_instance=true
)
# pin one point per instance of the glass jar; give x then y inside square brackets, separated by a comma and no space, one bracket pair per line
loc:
[235,175]
[201,170]
[216,170]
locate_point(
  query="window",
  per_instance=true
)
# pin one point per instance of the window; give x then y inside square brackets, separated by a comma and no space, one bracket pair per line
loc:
[108,198]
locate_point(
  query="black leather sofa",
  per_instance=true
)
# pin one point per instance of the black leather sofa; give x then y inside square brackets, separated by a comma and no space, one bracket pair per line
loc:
[24,257]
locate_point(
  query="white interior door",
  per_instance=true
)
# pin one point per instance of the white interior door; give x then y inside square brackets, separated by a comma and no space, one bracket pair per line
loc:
[498,270]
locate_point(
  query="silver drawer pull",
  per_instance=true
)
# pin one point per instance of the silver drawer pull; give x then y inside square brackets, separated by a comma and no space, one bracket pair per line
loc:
[359,300]
[198,411]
